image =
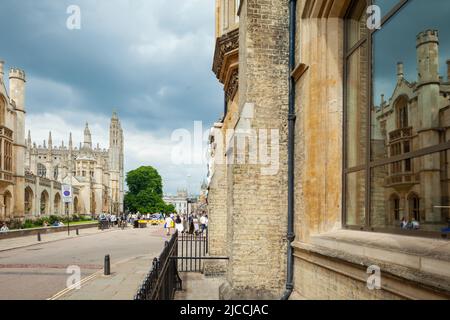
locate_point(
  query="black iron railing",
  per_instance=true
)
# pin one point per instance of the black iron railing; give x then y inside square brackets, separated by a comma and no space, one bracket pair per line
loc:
[163,280]
[192,249]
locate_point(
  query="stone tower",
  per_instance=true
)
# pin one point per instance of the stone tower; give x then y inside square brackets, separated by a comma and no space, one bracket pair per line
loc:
[87,137]
[428,89]
[17,92]
[116,164]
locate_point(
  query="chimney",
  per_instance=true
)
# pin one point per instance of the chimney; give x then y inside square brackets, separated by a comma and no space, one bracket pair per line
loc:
[400,72]
[448,70]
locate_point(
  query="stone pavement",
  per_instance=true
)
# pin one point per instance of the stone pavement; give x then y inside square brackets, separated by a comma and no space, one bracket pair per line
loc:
[198,287]
[21,242]
[124,281]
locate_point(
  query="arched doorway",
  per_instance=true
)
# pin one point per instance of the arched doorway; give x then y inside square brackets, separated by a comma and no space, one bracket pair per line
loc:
[93,203]
[57,204]
[29,197]
[44,210]
[75,205]
[7,201]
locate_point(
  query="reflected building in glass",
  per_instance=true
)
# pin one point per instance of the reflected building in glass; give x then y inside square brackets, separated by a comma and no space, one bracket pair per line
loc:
[414,185]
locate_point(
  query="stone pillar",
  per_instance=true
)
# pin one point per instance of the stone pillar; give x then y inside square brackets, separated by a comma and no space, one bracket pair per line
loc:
[17,92]
[257,205]
[37,198]
[428,102]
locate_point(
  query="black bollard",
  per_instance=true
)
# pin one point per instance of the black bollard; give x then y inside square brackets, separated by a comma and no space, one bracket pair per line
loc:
[39,236]
[78,232]
[107,265]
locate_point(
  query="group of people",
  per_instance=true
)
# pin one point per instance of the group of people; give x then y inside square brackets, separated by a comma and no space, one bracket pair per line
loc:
[4,228]
[191,223]
[112,219]
[409,225]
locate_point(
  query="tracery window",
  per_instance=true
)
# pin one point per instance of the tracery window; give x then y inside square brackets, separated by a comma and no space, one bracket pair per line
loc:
[41,170]
[396,106]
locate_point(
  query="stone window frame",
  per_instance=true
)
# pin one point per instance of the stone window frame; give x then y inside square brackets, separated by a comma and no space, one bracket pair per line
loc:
[366,43]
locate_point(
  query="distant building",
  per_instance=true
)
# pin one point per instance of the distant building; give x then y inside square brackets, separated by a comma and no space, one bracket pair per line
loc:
[179,201]
[31,175]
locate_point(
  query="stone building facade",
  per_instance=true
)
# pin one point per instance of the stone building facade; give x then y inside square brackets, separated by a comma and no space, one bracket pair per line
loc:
[244,203]
[180,201]
[360,166]
[32,175]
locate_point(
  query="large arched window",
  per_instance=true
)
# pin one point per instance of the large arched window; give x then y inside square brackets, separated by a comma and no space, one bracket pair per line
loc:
[397,85]
[55,173]
[402,113]
[29,197]
[414,207]
[45,205]
[41,170]
[395,207]
[2,111]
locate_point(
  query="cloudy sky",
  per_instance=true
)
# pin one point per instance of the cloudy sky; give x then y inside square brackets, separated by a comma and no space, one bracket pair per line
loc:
[396,41]
[148,59]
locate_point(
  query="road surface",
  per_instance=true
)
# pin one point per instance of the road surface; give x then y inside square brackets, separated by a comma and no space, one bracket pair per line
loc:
[38,272]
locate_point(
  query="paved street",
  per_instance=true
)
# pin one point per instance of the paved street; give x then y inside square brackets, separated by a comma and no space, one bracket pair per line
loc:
[39,271]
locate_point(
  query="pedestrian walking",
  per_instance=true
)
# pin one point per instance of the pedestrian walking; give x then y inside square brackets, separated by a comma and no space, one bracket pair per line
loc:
[185,223]
[168,225]
[179,224]
[202,223]
[196,223]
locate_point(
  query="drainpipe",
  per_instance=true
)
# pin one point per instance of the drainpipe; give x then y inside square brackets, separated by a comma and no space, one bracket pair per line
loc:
[291,152]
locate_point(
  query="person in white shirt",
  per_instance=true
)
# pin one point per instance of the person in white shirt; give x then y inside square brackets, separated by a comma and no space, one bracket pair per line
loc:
[113,220]
[179,224]
[168,225]
[4,228]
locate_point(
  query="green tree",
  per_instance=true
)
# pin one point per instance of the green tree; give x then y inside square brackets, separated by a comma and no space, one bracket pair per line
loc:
[144,178]
[145,191]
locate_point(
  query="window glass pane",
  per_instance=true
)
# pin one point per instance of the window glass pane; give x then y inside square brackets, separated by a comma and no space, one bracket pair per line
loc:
[412,194]
[357,107]
[411,79]
[385,5]
[355,198]
[357,24]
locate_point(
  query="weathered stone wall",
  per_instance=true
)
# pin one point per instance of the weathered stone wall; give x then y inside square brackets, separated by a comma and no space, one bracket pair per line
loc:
[318,283]
[319,108]
[319,168]
[257,207]
[217,230]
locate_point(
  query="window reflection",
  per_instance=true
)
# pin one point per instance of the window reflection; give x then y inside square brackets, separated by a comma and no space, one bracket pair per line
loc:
[417,199]
[355,198]
[409,116]
[386,5]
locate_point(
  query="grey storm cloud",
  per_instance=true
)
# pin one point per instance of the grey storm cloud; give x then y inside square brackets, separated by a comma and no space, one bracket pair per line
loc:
[148,59]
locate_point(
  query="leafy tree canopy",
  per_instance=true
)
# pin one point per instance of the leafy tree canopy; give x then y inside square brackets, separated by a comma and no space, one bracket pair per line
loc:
[145,192]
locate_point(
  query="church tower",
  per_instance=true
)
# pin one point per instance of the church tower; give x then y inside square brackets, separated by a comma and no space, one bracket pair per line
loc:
[428,96]
[17,92]
[87,138]
[116,165]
